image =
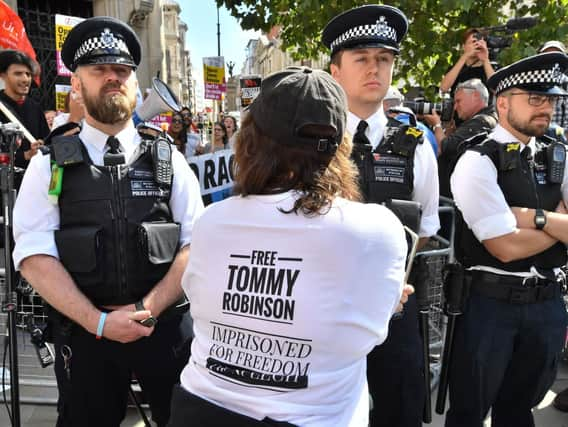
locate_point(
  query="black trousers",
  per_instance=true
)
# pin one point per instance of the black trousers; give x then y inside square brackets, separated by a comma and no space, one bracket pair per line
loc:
[96,392]
[505,358]
[395,372]
[189,410]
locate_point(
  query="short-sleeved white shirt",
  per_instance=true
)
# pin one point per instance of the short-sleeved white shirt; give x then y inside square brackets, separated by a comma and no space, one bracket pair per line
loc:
[286,308]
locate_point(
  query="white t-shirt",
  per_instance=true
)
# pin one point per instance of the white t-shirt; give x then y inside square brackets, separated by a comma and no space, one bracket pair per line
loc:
[286,308]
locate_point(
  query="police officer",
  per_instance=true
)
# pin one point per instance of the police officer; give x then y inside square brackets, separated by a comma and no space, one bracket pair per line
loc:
[511,191]
[98,224]
[364,42]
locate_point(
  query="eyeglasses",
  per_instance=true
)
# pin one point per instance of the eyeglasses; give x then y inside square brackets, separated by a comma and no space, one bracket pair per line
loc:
[177,121]
[537,100]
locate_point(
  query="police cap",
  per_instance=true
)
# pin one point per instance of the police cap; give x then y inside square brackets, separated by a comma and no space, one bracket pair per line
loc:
[541,73]
[366,26]
[101,40]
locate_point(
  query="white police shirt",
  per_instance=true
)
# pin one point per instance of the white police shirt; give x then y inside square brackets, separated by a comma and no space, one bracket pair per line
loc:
[426,188]
[480,199]
[286,308]
[36,218]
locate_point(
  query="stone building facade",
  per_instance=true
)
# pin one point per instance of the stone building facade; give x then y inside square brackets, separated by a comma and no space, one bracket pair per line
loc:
[157,23]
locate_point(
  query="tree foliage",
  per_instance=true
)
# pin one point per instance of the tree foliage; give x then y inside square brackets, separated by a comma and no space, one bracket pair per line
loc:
[433,42]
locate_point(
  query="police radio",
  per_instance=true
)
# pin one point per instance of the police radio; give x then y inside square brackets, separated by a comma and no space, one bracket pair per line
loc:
[556,156]
[162,159]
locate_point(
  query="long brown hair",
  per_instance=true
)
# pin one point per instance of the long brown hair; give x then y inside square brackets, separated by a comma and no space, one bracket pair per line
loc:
[263,166]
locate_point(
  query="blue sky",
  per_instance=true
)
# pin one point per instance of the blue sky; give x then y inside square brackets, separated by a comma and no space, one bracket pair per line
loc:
[201,19]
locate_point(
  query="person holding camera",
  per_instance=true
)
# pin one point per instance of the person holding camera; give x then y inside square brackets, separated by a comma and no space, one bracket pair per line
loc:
[473,63]
[471,101]
[298,263]
[364,42]
[111,240]
[511,191]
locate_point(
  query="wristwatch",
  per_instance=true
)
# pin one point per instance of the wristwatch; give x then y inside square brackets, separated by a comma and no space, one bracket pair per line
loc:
[539,219]
[149,321]
[437,125]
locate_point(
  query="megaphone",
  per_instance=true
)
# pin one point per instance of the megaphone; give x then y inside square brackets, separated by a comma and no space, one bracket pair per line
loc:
[160,100]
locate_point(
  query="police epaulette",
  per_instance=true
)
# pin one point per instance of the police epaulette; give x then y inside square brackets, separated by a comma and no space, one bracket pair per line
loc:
[67,150]
[478,142]
[406,139]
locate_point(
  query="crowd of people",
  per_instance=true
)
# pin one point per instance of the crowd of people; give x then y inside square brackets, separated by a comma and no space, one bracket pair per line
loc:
[295,305]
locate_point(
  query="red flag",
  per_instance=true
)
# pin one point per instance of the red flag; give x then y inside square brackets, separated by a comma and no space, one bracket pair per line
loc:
[13,34]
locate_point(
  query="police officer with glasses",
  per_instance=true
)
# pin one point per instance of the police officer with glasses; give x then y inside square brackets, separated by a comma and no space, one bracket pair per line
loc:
[511,191]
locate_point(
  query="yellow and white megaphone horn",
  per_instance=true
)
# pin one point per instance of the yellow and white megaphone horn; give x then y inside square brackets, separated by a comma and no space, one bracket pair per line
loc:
[160,100]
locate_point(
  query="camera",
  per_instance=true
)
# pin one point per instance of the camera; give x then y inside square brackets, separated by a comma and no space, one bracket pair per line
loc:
[494,42]
[420,106]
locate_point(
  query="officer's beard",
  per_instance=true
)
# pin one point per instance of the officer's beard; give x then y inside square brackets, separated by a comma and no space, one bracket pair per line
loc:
[109,108]
[528,128]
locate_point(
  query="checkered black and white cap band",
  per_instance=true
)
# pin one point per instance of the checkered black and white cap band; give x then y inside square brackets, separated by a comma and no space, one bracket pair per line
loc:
[106,41]
[380,30]
[551,76]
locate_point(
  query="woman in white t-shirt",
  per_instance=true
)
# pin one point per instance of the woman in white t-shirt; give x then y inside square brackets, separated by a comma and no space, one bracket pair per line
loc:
[304,278]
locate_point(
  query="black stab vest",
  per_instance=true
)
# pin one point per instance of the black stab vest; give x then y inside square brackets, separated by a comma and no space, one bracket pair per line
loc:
[388,171]
[524,184]
[103,240]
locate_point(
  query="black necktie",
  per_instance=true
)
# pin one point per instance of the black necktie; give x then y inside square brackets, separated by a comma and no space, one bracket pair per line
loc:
[113,156]
[527,153]
[526,156]
[360,137]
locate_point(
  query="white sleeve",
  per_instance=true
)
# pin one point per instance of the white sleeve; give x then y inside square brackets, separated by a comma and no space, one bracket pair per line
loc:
[479,197]
[185,200]
[35,217]
[426,188]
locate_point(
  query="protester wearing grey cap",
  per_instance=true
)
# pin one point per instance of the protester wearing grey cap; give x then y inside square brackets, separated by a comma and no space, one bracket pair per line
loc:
[294,255]
[364,42]
[511,191]
[109,248]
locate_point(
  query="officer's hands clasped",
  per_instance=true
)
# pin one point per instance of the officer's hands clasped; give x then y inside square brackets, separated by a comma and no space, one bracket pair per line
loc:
[124,326]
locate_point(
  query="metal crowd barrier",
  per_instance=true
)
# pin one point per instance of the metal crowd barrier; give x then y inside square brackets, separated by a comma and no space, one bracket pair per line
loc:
[438,252]
[37,384]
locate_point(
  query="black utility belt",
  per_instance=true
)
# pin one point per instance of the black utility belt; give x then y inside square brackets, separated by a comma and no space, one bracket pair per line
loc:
[513,289]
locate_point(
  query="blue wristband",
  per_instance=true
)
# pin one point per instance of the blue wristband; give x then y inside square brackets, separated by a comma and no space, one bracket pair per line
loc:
[101,325]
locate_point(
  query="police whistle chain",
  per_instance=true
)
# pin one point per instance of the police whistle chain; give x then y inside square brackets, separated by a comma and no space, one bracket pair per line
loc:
[11,133]
[454,292]
[420,273]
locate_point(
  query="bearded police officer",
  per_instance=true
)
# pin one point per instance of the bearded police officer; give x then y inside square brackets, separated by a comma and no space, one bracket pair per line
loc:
[98,224]
[512,191]
[364,43]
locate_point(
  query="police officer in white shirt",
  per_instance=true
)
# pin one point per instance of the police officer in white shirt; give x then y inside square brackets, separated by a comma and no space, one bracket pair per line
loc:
[364,43]
[511,191]
[97,226]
